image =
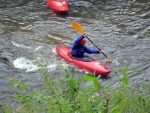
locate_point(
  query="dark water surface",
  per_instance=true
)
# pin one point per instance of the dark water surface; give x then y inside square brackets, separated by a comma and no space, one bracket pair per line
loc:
[29,30]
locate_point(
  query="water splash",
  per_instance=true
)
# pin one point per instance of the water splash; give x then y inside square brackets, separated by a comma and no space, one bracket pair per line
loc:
[23,63]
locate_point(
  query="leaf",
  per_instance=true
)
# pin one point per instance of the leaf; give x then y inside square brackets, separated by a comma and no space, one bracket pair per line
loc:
[88,78]
[96,83]
[125,70]
[116,110]
[24,86]
[125,80]
[16,85]
[92,90]
[95,80]
[135,71]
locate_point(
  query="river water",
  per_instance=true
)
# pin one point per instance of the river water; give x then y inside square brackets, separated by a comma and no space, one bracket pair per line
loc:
[29,30]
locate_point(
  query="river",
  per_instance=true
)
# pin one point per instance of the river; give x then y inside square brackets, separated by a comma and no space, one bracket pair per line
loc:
[29,30]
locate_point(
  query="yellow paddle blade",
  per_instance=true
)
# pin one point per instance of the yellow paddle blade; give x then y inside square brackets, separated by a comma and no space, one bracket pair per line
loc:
[77,27]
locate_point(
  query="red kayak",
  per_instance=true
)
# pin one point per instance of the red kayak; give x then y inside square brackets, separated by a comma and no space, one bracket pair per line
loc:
[93,66]
[58,5]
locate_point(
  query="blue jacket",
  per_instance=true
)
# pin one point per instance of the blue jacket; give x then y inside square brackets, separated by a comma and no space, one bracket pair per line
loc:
[78,49]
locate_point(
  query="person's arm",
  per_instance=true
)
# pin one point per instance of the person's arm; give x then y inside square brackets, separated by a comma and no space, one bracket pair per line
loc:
[91,51]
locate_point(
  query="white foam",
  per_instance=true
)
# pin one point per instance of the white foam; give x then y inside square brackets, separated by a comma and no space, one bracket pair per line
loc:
[52,66]
[116,62]
[23,63]
[39,47]
[29,66]
[21,45]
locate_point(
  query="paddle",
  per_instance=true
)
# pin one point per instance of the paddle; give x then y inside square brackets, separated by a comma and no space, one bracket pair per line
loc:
[78,27]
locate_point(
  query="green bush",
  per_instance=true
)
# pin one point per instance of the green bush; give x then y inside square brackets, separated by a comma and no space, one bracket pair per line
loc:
[67,94]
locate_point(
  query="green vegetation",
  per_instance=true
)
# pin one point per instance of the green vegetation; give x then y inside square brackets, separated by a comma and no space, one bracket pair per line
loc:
[66,94]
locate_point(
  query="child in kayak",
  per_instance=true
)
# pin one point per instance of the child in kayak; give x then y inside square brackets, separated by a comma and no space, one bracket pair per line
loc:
[79,48]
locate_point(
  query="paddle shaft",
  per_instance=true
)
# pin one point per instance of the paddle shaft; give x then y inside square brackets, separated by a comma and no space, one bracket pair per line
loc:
[78,27]
[96,46]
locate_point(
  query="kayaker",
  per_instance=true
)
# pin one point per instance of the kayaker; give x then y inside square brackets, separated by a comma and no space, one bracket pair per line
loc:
[79,48]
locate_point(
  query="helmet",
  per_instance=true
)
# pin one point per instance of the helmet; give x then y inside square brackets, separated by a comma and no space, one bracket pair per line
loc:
[83,41]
